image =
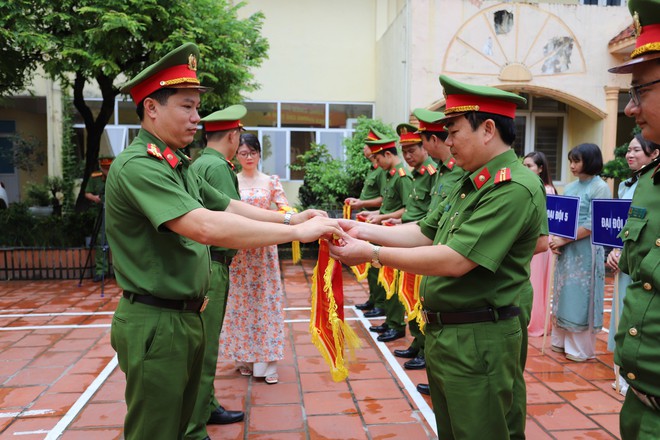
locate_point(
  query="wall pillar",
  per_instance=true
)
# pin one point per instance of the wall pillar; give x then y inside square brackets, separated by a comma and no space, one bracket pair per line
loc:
[54,116]
[610,126]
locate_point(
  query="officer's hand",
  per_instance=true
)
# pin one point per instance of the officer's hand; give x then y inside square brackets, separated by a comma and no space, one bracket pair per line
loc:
[302,217]
[613,260]
[318,227]
[353,202]
[351,251]
[391,222]
[351,227]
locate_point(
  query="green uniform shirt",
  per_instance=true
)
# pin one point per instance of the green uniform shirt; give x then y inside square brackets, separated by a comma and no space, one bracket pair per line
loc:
[373,184]
[396,189]
[143,192]
[446,178]
[96,185]
[419,197]
[638,337]
[495,225]
[213,167]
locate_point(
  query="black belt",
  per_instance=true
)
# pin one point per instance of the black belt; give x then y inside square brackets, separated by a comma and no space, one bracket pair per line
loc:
[194,305]
[652,402]
[220,257]
[470,316]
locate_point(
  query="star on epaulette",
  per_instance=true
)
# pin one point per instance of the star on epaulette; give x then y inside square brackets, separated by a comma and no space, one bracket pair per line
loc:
[171,157]
[154,151]
[481,178]
[503,175]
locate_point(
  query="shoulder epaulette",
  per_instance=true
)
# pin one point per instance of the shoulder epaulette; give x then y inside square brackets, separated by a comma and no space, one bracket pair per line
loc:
[481,178]
[503,175]
[96,174]
[231,164]
[402,172]
[431,169]
[154,151]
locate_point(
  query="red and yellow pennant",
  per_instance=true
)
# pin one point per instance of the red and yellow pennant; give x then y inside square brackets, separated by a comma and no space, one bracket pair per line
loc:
[330,334]
[387,277]
[409,294]
[361,270]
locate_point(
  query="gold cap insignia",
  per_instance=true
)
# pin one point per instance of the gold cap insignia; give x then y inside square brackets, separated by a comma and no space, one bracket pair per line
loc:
[637,25]
[404,130]
[192,62]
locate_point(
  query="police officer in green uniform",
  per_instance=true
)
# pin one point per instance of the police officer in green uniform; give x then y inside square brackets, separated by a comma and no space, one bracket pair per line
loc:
[395,192]
[475,251]
[370,198]
[222,130]
[637,339]
[159,224]
[422,177]
[95,192]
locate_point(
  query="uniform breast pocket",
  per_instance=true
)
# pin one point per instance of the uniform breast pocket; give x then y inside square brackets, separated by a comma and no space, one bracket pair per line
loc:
[632,229]
[458,219]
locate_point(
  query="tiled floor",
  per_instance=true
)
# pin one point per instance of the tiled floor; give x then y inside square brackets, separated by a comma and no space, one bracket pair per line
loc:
[59,377]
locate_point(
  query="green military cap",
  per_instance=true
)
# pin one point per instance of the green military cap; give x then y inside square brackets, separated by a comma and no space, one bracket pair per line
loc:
[105,161]
[462,98]
[176,70]
[429,120]
[374,134]
[646,21]
[381,144]
[408,134]
[225,119]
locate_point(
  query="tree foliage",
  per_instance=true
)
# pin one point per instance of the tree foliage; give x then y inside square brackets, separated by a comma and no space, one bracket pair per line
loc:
[104,42]
[328,181]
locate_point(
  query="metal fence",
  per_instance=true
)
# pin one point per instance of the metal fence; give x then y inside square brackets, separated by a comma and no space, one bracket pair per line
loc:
[45,263]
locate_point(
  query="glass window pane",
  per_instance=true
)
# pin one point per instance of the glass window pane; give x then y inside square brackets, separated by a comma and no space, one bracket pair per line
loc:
[127,114]
[303,115]
[548,138]
[340,113]
[273,153]
[521,131]
[540,104]
[300,142]
[260,114]
[333,141]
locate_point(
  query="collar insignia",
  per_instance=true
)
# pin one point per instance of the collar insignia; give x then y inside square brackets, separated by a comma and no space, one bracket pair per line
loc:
[171,157]
[481,178]
[451,163]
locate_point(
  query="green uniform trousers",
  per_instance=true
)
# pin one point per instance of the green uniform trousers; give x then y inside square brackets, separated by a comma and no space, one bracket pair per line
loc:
[417,343]
[160,351]
[637,421]
[471,370]
[376,291]
[212,317]
[517,417]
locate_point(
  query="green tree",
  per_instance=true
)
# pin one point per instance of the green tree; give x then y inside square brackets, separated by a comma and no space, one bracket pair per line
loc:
[85,42]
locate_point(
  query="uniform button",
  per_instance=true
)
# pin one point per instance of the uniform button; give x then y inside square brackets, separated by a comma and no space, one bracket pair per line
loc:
[633,331]
[463,196]
[657,242]
[626,233]
[631,376]
[648,286]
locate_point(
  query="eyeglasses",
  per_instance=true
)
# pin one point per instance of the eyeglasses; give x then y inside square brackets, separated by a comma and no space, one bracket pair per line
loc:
[246,154]
[635,96]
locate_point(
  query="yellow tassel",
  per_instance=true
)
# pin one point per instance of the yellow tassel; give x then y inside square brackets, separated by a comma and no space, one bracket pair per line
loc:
[389,286]
[347,211]
[295,251]
[361,276]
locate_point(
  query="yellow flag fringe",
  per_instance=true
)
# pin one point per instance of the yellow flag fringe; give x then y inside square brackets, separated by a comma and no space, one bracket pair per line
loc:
[361,271]
[343,335]
[387,277]
[295,252]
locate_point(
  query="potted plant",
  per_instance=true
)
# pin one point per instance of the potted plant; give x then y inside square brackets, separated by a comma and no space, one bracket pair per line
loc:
[39,199]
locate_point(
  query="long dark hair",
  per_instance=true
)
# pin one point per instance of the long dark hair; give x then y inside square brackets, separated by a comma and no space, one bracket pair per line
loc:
[542,162]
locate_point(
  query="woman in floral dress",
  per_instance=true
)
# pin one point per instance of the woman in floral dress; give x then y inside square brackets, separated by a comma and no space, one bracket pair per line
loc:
[580,272]
[253,332]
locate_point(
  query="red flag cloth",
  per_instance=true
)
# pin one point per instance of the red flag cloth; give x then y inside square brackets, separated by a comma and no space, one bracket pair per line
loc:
[409,294]
[387,277]
[329,331]
[361,270]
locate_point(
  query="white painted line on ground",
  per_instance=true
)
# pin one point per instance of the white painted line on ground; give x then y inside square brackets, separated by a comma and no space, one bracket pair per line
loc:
[41,431]
[51,327]
[34,315]
[35,412]
[423,407]
[55,433]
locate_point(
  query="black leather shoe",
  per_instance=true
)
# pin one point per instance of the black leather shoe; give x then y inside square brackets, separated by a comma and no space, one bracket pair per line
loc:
[379,328]
[365,306]
[424,388]
[391,335]
[408,353]
[415,364]
[374,313]
[221,416]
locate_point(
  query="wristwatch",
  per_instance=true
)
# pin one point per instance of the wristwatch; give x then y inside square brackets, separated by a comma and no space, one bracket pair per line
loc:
[375,261]
[287,217]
